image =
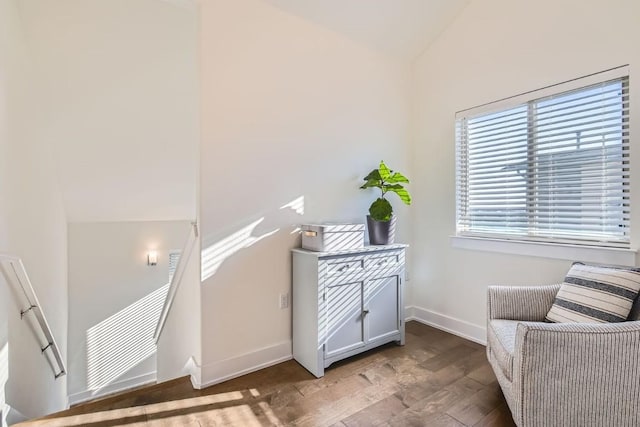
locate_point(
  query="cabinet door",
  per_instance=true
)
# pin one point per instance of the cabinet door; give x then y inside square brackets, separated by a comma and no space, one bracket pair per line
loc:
[345,330]
[382,305]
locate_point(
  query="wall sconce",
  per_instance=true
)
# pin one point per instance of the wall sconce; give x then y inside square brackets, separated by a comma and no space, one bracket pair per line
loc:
[152,258]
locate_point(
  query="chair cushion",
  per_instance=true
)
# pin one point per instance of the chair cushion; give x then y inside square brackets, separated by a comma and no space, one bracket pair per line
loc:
[595,294]
[502,340]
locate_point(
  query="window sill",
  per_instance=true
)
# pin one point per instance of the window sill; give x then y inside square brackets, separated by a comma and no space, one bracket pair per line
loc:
[593,254]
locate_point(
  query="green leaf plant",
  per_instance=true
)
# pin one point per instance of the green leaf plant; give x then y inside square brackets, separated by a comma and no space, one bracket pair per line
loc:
[387,181]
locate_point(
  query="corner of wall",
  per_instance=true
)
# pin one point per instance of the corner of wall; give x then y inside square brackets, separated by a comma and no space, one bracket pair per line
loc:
[115,387]
[223,370]
[11,416]
[195,373]
[453,325]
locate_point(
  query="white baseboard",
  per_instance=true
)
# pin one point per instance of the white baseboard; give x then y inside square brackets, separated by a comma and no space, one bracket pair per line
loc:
[194,371]
[116,387]
[223,370]
[11,416]
[455,326]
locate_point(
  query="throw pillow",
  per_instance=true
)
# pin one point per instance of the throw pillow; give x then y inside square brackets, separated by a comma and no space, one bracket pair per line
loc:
[595,294]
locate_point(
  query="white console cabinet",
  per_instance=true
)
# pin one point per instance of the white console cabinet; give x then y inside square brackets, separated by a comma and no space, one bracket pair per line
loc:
[345,303]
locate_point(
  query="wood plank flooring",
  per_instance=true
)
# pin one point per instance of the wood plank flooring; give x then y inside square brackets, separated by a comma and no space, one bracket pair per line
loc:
[436,379]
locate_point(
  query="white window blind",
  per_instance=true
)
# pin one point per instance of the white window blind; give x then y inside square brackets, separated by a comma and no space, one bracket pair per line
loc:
[174,257]
[550,165]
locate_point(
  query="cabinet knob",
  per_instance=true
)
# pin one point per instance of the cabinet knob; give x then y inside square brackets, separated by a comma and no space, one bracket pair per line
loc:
[365,312]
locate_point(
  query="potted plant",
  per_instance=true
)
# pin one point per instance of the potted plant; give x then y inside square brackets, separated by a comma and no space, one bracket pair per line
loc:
[381,221]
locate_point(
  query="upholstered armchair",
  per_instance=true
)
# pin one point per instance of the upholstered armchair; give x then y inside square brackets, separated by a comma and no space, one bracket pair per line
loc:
[562,374]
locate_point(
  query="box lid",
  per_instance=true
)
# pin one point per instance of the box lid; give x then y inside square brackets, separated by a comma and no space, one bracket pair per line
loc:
[333,228]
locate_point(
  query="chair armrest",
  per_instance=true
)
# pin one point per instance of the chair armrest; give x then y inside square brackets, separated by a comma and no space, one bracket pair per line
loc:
[577,373]
[528,303]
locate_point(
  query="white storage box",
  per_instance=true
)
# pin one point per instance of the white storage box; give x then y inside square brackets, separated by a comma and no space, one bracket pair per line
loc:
[332,237]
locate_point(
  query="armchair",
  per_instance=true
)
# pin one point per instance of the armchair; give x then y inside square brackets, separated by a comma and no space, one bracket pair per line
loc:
[562,374]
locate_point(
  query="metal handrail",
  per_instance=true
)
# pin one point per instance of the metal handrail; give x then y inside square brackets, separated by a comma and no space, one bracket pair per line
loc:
[24,295]
[176,280]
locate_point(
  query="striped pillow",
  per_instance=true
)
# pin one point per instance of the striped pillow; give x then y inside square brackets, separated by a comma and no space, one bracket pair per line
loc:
[595,294]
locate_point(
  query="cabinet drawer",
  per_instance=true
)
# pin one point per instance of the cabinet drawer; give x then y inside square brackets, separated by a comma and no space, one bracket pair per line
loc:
[345,266]
[386,261]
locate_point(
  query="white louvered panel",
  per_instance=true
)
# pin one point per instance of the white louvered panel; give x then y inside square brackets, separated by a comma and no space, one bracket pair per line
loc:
[553,168]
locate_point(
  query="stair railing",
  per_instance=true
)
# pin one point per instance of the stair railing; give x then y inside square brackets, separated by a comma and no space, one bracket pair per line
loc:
[176,280]
[26,299]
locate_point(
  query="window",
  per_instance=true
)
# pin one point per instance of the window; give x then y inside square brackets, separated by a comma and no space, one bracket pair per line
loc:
[549,166]
[174,257]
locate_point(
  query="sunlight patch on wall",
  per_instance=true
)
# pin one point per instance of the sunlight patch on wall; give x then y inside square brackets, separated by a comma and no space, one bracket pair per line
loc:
[215,254]
[296,205]
[123,340]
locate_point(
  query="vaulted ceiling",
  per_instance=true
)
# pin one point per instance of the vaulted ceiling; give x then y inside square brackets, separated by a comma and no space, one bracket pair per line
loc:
[402,28]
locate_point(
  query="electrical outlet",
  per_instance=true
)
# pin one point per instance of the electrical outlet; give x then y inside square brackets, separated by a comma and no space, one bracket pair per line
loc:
[284,300]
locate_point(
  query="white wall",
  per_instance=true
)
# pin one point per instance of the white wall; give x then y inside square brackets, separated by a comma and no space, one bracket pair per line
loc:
[496,49]
[32,220]
[117,94]
[290,112]
[115,299]
[7,30]
[123,79]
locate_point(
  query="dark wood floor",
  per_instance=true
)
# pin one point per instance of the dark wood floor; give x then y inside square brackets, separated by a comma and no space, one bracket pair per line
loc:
[436,379]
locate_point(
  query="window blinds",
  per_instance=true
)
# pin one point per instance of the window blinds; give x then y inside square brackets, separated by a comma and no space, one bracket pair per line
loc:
[174,257]
[547,168]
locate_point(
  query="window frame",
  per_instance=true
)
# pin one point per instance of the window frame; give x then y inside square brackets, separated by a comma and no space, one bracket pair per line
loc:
[475,240]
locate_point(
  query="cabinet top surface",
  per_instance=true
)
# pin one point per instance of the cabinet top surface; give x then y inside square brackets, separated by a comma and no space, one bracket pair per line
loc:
[366,249]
